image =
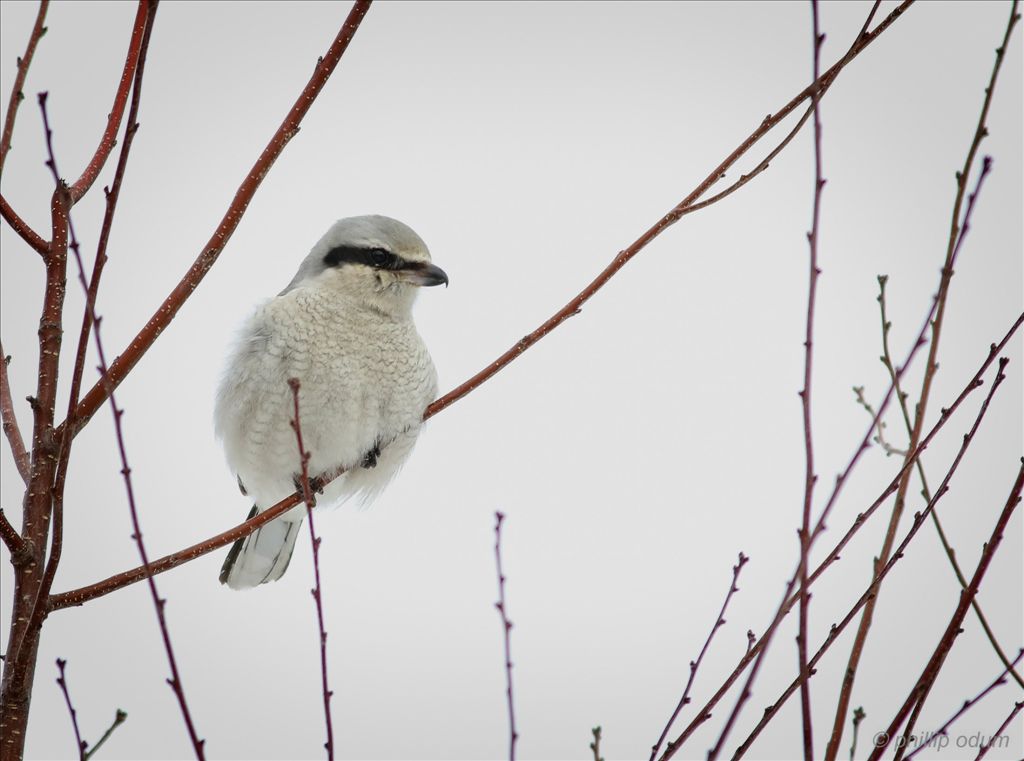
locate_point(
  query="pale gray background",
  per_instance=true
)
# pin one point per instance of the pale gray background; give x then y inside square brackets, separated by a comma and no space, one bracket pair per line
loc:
[636,450]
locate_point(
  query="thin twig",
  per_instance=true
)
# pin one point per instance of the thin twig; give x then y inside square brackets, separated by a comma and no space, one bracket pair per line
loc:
[119,719]
[158,602]
[63,684]
[141,343]
[507,631]
[694,665]
[968,704]
[595,747]
[307,496]
[858,717]
[987,745]
[674,215]
[790,599]
[953,629]
[957,234]
[10,422]
[810,478]
[872,589]
[926,491]
[17,96]
[128,358]
[888,448]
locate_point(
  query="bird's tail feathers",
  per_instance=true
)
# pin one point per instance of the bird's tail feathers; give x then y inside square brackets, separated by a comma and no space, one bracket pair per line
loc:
[263,555]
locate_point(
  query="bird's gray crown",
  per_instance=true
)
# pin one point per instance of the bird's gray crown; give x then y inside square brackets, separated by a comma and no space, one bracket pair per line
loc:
[362,240]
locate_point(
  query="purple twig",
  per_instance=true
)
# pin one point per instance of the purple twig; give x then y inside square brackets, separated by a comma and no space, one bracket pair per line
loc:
[507,626]
[968,704]
[62,683]
[694,665]
[158,602]
[307,496]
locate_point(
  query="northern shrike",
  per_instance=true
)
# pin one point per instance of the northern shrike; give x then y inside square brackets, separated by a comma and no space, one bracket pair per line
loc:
[344,328]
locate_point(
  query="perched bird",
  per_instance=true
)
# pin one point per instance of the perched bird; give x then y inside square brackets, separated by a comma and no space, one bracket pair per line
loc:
[343,327]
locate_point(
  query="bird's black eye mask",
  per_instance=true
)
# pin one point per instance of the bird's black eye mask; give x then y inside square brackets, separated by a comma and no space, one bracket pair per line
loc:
[378,258]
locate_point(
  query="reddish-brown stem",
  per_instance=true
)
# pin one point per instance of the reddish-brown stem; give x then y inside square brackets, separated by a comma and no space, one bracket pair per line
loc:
[17,96]
[112,194]
[789,599]
[307,496]
[968,704]
[872,588]
[506,626]
[683,207]
[109,138]
[23,638]
[810,478]
[953,629]
[158,602]
[955,239]
[926,492]
[12,539]
[10,422]
[695,665]
[63,684]
[211,251]
[20,226]
[141,343]
[987,745]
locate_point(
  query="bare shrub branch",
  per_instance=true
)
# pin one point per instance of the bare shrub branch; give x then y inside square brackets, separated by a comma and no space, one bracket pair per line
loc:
[872,590]
[953,630]
[695,665]
[307,496]
[957,233]
[506,632]
[159,603]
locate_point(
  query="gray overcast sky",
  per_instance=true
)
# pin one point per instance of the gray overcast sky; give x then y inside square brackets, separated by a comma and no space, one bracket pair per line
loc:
[635,451]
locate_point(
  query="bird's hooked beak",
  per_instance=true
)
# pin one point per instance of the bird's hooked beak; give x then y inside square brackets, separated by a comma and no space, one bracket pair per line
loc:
[423,273]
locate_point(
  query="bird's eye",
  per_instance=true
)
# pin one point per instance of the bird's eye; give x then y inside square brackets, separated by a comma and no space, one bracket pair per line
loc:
[379,257]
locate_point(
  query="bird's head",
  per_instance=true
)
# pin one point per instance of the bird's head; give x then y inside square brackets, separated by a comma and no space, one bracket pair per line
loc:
[373,259]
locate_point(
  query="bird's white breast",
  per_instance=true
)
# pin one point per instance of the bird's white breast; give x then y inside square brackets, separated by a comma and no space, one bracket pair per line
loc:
[365,376]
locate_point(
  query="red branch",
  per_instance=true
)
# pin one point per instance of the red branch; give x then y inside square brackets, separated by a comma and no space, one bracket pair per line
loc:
[684,207]
[20,226]
[10,422]
[15,544]
[63,684]
[968,704]
[307,495]
[158,602]
[953,630]
[507,632]
[212,250]
[17,96]
[694,665]
[109,138]
[112,195]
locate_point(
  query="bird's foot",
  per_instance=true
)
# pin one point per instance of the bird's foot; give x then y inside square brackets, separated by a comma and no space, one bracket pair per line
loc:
[370,458]
[315,487]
